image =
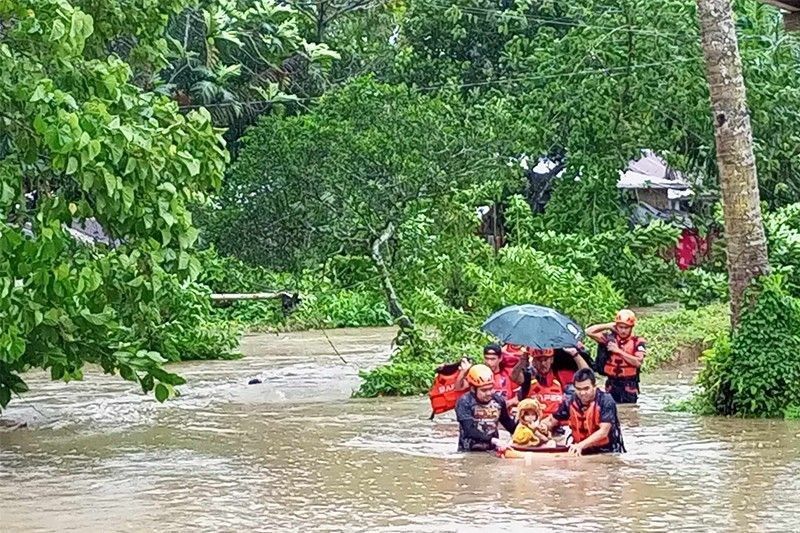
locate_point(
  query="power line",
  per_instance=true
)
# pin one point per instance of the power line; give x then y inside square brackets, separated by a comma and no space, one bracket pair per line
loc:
[562,22]
[607,71]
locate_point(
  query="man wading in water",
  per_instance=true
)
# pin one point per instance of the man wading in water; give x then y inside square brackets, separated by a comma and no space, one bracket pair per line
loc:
[480,412]
[620,354]
[592,417]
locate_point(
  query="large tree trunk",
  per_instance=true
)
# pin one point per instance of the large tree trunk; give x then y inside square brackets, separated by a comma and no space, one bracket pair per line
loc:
[744,231]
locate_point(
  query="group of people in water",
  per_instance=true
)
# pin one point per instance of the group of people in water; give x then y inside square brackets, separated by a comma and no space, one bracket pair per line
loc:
[541,406]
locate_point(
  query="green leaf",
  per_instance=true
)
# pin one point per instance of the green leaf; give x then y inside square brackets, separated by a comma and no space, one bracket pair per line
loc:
[111,183]
[72,165]
[127,373]
[5,396]
[162,392]
[183,260]
[130,166]
[94,148]
[193,166]
[127,196]
[39,93]
[57,372]
[168,217]
[58,30]
[168,187]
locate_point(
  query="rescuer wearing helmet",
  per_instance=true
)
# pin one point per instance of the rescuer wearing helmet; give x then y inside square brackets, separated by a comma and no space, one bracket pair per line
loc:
[480,411]
[619,355]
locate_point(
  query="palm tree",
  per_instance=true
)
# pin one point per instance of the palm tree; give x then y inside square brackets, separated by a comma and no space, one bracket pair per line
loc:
[744,230]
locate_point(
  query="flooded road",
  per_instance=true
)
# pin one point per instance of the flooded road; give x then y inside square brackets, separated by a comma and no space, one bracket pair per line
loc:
[296,453]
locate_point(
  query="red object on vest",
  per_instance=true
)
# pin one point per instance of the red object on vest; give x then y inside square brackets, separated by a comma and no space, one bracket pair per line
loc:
[504,384]
[617,366]
[585,421]
[551,394]
[443,393]
[565,377]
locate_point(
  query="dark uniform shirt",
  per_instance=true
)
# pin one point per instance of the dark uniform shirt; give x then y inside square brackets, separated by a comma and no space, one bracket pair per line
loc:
[479,422]
[608,414]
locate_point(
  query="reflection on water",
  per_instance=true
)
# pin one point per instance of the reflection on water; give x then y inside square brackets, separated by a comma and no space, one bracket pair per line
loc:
[297,453]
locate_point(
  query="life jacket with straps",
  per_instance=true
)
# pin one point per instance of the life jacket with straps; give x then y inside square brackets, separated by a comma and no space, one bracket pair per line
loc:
[585,421]
[504,384]
[615,366]
[444,392]
[550,394]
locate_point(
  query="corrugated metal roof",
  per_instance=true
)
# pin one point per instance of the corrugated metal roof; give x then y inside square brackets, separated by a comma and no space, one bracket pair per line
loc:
[788,5]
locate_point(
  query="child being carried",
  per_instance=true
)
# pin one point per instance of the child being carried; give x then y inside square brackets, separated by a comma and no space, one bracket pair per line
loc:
[528,434]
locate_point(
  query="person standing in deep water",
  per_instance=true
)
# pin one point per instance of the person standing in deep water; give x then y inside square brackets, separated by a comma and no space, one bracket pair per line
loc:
[480,412]
[620,355]
[592,418]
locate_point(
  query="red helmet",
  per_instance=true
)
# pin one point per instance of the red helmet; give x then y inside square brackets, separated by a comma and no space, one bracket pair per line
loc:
[626,317]
[480,376]
[541,353]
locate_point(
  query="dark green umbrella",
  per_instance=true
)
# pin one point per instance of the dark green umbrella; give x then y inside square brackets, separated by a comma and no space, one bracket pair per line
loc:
[534,326]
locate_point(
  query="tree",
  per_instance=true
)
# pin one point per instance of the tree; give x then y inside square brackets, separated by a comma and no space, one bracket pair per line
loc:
[744,229]
[239,58]
[342,178]
[79,141]
[598,81]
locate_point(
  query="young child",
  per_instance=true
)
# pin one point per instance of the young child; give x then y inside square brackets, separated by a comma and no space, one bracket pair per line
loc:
[528,434]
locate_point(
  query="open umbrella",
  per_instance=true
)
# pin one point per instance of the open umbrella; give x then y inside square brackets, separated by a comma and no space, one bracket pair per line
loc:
[533,325]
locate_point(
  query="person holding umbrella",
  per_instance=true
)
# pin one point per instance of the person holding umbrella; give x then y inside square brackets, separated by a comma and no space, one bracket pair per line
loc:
[543,331]
[540,381]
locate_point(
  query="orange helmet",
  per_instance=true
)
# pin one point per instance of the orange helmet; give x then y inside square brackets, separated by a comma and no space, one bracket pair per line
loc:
[480,376]
[537,353]
[627,317]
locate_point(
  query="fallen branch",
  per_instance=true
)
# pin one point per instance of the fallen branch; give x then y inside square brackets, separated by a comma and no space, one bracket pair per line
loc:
[233,297]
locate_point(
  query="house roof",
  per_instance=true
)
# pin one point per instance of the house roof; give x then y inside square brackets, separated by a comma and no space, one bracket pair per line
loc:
[787,5]
[651,172]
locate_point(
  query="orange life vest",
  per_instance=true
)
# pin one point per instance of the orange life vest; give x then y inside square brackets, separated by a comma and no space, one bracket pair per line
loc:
[585,421]
[504,384]
[551,394]
[444,393]
[616,366]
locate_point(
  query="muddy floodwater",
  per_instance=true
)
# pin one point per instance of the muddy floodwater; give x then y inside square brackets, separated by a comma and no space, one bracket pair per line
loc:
[296,453]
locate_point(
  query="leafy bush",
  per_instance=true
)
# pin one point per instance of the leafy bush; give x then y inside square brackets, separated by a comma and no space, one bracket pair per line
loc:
[783,235]
[341,309]
[523,275]
[757,371]
[637,261]
[667,334]
[179,324]
[698,287]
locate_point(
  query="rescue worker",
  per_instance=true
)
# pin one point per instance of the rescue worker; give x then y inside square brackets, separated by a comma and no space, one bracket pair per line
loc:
[540,381]
[501,374]
[480,412]
[620,354]
[592,418]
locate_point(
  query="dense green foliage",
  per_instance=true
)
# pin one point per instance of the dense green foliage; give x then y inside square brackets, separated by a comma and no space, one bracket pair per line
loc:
[756,372]
[330,181]
[360,119]
[79,141]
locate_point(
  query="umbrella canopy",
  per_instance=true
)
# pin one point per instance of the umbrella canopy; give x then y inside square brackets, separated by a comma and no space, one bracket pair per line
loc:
[534,326]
